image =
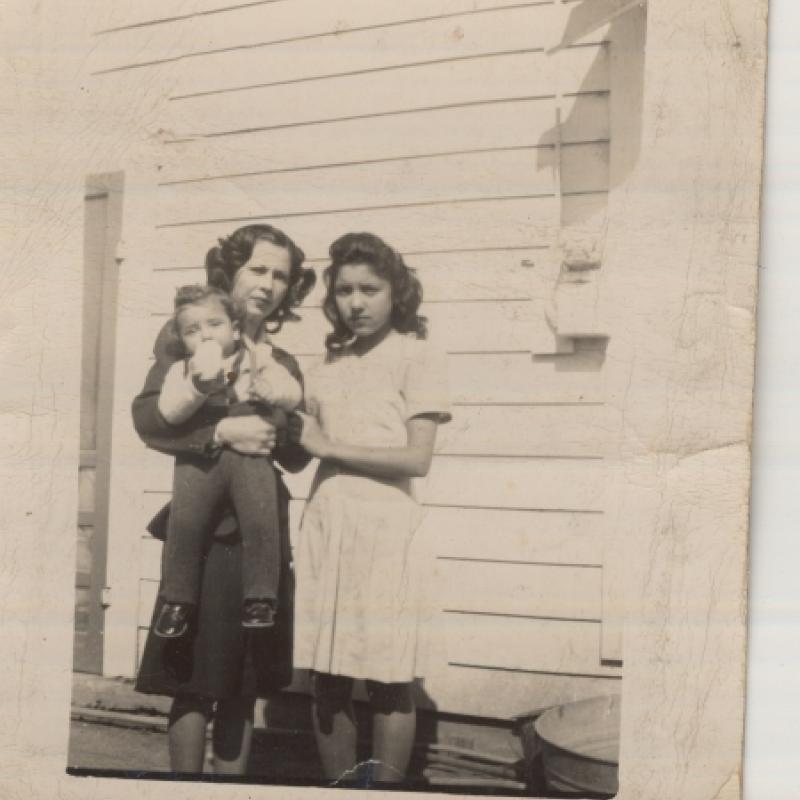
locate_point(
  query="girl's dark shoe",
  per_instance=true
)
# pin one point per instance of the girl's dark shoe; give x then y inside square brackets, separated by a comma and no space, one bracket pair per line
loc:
[258,613]
[173,620]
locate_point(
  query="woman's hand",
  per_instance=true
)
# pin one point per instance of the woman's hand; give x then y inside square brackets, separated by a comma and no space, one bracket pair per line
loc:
[251,435]
[275,385]
[312,439]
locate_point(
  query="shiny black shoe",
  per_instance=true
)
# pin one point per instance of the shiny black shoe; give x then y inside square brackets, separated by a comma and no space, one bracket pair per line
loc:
[258,613]
[173,620]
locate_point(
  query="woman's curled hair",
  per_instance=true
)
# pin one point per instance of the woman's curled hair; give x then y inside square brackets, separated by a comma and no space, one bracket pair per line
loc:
[387,263]
[234,251]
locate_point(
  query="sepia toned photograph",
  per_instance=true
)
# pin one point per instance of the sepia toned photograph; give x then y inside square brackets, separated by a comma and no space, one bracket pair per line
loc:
[416,350]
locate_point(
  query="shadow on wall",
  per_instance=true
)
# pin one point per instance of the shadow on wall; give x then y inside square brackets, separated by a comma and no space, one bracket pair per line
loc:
[623,59]
[594,145]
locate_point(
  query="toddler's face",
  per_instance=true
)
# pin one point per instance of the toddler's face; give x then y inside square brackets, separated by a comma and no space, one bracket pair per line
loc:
[207,321]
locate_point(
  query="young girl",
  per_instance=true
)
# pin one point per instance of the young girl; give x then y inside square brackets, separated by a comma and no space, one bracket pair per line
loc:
[376,402]
[224,373]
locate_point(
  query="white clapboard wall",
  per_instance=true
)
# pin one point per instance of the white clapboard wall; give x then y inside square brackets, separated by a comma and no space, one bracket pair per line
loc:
[432,123]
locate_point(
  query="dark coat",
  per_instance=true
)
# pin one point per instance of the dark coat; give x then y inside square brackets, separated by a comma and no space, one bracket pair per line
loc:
[217,659]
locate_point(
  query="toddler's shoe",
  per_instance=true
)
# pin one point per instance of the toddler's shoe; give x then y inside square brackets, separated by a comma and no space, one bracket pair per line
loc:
[173,620]
[258,613]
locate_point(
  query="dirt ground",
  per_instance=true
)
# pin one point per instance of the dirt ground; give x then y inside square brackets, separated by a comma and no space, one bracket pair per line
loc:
[118,730]
[276,758]
[100,747]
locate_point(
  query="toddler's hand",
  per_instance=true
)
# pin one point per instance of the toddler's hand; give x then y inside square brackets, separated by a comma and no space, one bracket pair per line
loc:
[205,367]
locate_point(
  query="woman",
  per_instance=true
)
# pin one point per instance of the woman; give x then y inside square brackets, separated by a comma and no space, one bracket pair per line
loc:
[217,670]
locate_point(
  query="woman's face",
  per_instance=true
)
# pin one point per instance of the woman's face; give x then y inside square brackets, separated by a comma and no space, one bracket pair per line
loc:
[363,299]
[262,282]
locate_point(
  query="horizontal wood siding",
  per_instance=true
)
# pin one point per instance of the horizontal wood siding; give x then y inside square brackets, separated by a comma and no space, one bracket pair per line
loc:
[520,590]
[480,80]
[458,327]
[447,225]
[321,33]
[446,277]
[518,537]
[529,28]
[497,641]
[432,124]
[519,172]
[509,379]
[465,128]
[550,484]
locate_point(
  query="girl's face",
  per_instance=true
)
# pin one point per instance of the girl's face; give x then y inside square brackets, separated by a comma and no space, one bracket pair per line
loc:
[206,321]
[261,282]
[363,299]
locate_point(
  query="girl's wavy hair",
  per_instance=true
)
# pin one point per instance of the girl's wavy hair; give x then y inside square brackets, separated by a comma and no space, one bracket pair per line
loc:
[386,263]
[233,252]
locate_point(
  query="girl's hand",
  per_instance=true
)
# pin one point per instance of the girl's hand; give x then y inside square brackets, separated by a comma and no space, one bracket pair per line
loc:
[251,435]
[312,439]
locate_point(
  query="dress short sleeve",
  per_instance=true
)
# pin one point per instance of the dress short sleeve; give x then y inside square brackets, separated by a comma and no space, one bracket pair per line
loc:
[426,387]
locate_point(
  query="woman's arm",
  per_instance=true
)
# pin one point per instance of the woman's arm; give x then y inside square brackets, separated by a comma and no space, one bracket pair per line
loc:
[411,461]
[289,454]
[249,435]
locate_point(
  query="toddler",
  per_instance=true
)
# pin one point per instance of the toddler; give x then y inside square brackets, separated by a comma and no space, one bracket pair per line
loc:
[223,374]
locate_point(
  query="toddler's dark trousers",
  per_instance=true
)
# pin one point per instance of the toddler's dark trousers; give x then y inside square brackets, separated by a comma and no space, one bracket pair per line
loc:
[200,487]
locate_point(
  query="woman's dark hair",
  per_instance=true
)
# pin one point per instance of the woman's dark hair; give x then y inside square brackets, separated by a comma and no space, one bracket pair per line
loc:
[233,252]
[386,263]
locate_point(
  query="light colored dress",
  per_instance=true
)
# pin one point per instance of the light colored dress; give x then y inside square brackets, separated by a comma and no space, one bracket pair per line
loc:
[361,573]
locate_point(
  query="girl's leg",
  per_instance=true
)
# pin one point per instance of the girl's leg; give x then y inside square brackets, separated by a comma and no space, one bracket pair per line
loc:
[394,721]
[233,735]
[335,724]
[188,719]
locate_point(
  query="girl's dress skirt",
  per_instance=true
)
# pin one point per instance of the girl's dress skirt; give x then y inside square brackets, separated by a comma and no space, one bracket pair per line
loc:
[362,602]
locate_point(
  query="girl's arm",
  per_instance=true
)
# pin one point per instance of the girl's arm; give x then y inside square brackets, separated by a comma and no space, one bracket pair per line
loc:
[411,461]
